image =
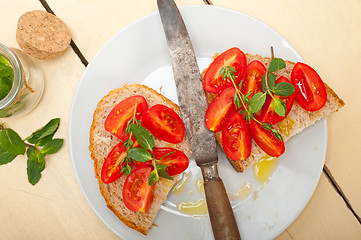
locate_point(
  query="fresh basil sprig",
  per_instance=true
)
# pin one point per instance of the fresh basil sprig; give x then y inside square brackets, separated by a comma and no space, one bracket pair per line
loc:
[38,145]
[249,107]
[144,153]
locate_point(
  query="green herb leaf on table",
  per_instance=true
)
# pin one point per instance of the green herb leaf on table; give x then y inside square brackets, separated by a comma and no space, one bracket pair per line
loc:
[276,64]
[45,131]
[11,142]
[284,89]
[41,142]
[5,156]
[52,146]
[35,165]
[12,145]
[143,136]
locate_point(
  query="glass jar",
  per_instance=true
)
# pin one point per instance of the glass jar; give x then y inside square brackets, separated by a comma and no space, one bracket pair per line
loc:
[28,84]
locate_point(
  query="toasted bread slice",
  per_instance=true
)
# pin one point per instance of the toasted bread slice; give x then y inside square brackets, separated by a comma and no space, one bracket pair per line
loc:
[101,143]
[297,120]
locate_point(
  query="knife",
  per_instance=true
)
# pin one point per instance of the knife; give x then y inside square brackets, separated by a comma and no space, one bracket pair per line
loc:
[193,105]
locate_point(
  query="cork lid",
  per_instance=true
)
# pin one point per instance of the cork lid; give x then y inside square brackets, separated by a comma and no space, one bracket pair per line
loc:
[42,35]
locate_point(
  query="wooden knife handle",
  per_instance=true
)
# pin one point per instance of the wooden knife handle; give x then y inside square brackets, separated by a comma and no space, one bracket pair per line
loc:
[223,223]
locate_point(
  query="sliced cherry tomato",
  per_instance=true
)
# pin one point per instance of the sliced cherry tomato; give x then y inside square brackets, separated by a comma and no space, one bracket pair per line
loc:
[266,140]
[310,90]
[253,78]
[236,139]
[164,123]
[268,113]
[233,57]
[137,194]
[117,120]
[113,164]
[175,160]
[219,109]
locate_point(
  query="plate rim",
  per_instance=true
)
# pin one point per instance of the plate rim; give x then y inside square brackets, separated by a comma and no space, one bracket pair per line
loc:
[150,15]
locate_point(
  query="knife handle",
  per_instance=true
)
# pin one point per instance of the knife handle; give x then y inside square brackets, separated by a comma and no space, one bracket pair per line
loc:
[223,222]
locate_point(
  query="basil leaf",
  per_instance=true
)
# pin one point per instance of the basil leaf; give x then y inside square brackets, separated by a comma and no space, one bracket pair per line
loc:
[153,177]
[5,86]
[4,60]
[266,126]
[276,64]
[139,154]
[271,80]
[5,70]
[11,142]
[276,134]
[35,165]
[5,156]
[45,131]
[45,140]
[143,136]
[284,89]
[279,106]
[161,171]
[52,147]
[256,102]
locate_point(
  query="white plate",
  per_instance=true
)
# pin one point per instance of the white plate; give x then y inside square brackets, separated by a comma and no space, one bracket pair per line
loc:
[139,54]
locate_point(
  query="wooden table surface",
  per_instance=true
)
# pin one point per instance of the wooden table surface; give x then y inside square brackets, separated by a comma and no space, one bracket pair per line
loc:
[327,34]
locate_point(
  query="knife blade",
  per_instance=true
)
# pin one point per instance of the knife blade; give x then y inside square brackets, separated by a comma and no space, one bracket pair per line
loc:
[193,105]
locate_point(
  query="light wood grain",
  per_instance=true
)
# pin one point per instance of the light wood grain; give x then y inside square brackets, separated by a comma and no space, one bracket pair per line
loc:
[327,35]
[325,217]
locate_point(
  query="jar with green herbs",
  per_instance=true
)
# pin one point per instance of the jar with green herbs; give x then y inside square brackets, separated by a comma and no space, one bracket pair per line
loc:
[21,83]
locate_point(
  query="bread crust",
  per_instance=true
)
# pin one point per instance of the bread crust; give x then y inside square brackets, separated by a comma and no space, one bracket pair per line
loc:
[101,142]
[297,120]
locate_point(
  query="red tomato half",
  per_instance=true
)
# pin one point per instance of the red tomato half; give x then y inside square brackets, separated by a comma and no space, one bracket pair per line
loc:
[268,113]
[310,90]
[117,120]
[176,161]
[233,57]
[137,194]
[219,109]
[164,123]
[253,78]
[112,164]
[236,139]
[266,140]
